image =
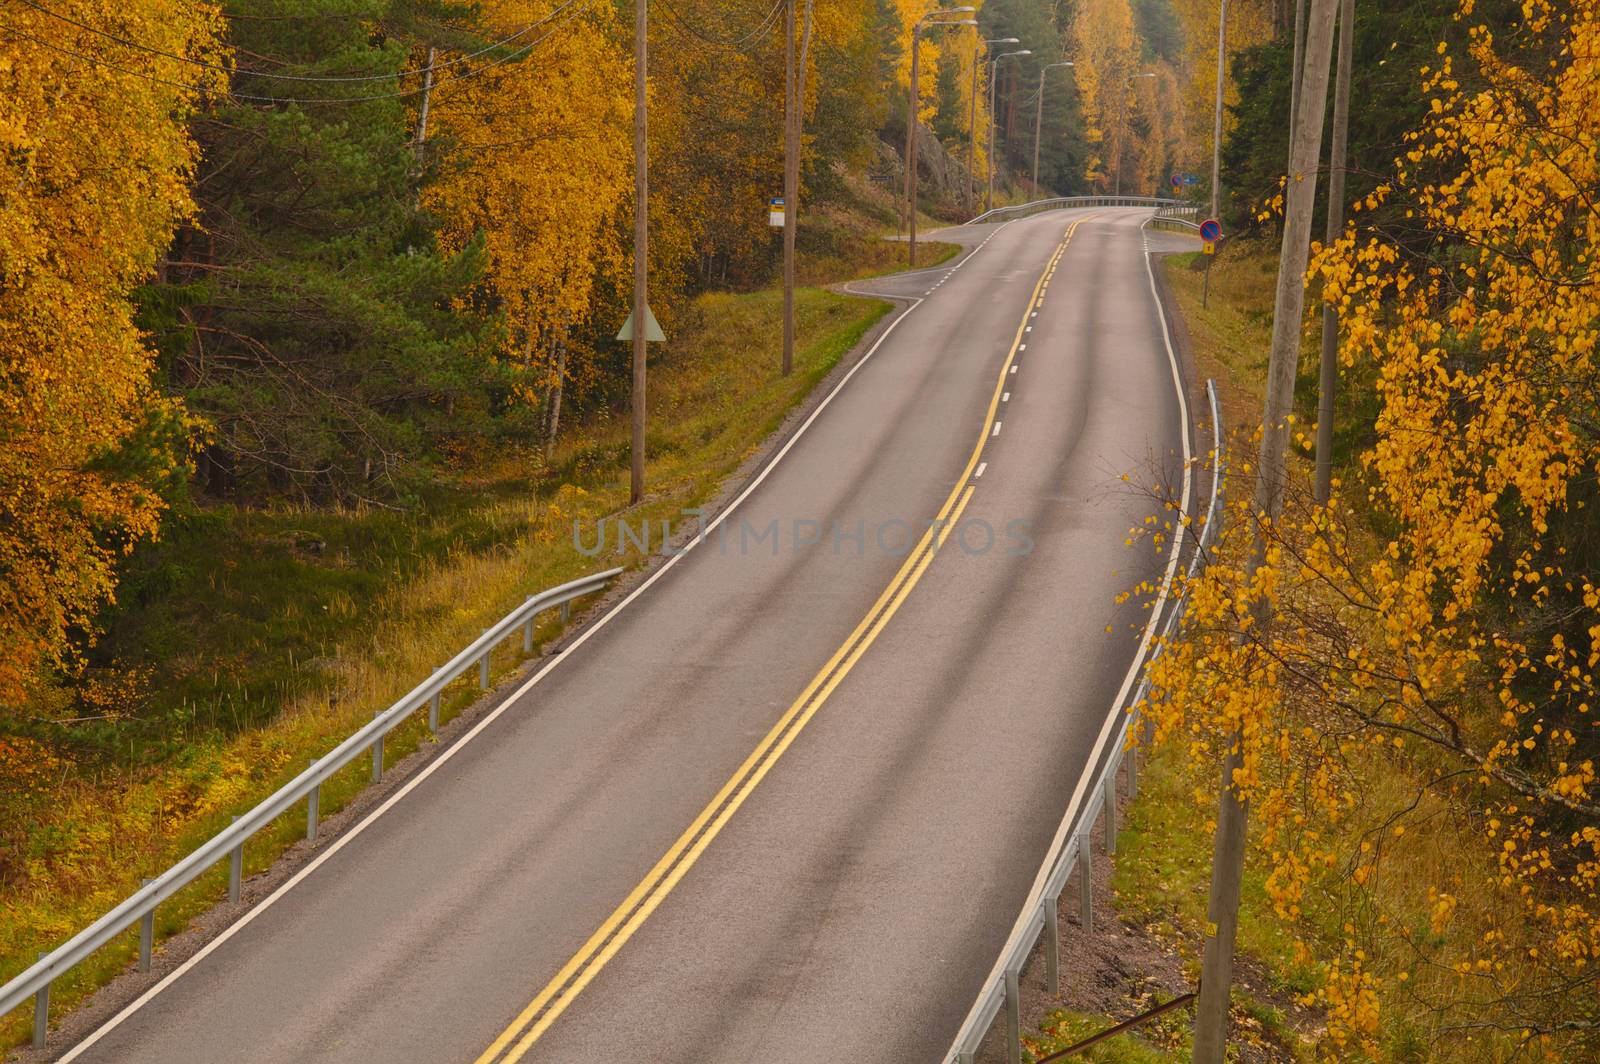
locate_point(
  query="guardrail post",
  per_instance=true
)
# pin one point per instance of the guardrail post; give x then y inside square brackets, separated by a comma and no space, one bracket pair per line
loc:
[377,753]
[1085,883]
[1052,945]
[964,1057]
[433,709]
[313,801]
[147,934]
[1109,805]
[483,668]
[1133,769]
[566,612]
[41,1012]
[1013,1019]
[235,871]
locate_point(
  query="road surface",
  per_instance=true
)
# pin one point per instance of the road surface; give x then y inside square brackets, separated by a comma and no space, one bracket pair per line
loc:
[785,802]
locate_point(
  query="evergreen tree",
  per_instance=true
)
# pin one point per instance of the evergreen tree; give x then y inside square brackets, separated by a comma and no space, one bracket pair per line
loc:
[307,315]
[950,120]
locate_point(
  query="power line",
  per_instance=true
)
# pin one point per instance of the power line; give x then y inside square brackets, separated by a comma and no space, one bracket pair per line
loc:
[322,79]
[250,98]
[738,45]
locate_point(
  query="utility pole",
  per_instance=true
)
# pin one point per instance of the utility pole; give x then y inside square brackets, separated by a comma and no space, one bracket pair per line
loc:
[1328,380]
[1038,121]
[641,240]
[1227,863]
[911,147]
[1216,117]
[791,182]
[1298,69]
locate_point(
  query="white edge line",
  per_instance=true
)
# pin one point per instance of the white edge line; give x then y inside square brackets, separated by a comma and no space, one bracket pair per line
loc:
[1035,892]
[445,755]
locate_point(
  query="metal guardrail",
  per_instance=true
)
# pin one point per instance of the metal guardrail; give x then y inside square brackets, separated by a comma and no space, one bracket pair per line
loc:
[229,843]
[1038,916]
[1180,209]
[1021,210]
[1182,225]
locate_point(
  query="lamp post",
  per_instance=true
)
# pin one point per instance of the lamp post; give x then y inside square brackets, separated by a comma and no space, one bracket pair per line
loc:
[972,120]
[1038,120]
[1117,187]
[994,69]
[929,21]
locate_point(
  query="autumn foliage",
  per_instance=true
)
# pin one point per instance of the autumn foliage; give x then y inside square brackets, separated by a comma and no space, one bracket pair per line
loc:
[95,165]
[1442,619]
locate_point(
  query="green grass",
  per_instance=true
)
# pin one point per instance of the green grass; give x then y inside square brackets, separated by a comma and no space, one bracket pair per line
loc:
[1162,871]
[264,637]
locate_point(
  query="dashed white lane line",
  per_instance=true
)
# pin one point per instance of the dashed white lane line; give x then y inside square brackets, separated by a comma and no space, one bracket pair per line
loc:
[981,467]
[1015,368]
[1024,347]
[1005,398]
[1030,328]
[996,431]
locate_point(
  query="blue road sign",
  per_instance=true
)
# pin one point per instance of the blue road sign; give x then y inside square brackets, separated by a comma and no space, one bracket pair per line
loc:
[1210,230]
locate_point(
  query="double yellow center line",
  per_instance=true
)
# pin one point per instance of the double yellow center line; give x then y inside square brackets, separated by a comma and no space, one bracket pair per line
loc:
[611,935]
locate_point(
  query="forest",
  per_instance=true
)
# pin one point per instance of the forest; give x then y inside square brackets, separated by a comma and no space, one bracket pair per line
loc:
[307,319]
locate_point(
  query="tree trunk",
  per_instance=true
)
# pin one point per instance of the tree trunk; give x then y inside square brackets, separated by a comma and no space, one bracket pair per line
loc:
[556,392]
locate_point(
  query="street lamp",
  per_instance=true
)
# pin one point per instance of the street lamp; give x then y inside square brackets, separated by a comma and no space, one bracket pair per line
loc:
[1117,187]
[972,120]
[994,70]
[930,20]
[1038,121]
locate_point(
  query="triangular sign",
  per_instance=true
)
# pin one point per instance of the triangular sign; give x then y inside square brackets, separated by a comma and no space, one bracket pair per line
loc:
[652,328]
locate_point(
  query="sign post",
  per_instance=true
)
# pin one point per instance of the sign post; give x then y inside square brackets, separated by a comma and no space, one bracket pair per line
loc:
[1210,232]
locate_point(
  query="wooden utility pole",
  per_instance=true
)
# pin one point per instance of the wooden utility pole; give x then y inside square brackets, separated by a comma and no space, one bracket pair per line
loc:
[794,106]
[1227,863]
[791,181]
[1216,114]
[1298,69]
[641,239]
[1328,380]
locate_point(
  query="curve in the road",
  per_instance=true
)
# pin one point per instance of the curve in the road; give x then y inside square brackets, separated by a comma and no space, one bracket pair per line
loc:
[610,937]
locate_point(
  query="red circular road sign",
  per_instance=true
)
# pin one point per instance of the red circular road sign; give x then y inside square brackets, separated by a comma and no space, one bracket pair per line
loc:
[1210,230]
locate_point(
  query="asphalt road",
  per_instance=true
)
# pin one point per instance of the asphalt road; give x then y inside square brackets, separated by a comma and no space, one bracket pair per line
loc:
[684,842]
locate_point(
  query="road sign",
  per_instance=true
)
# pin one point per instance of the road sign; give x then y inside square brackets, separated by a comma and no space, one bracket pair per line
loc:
[652,329]
[1211,230]
[1177,180]
[775,212]
[1211,247]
